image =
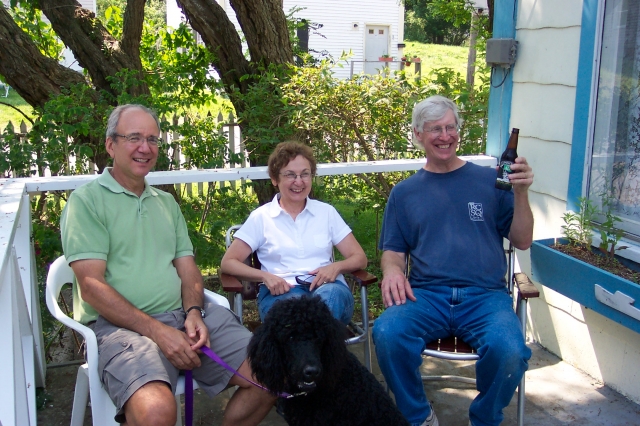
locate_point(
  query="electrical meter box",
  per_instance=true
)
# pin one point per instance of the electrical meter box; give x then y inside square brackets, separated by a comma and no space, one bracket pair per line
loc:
[501,52]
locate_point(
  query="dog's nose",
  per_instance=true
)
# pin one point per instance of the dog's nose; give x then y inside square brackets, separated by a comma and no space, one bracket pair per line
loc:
[310,373]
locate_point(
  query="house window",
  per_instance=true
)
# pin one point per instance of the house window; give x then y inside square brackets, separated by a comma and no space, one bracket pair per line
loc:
[614,177]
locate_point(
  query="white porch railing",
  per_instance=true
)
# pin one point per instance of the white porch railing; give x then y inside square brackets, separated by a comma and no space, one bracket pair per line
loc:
[22,363]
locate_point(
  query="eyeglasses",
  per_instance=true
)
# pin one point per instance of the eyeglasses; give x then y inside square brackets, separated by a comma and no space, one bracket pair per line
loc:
[451,129]
[290,176]
[137,139]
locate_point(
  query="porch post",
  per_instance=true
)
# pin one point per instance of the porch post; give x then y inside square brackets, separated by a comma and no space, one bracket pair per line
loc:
[505,14]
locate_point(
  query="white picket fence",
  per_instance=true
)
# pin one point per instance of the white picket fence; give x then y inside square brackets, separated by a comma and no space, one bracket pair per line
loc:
[227,127]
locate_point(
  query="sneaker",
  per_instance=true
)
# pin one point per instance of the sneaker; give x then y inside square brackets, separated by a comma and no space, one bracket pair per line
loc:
[432,420]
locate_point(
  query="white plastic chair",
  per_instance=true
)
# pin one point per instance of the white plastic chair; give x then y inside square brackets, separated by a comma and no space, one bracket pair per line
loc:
[88,380]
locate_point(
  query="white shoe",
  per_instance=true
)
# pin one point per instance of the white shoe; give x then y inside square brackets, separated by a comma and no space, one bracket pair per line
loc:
[432,420]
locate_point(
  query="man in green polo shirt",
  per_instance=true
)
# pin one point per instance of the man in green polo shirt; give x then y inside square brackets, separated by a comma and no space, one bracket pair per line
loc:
[140,290]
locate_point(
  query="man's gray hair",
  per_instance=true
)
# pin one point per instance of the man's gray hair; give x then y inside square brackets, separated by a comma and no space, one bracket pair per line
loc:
[431,109]
[114,117]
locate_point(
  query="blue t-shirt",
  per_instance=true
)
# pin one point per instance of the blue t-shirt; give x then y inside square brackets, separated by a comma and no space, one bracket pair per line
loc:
[452,225]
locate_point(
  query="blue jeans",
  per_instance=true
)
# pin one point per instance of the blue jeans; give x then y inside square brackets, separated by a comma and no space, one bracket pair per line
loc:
[336,295]
[482,317]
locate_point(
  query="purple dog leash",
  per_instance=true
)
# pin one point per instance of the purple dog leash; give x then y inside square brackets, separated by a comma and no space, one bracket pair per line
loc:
[188,385]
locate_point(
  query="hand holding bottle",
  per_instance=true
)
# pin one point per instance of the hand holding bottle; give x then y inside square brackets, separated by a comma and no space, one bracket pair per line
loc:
[507,158]
[521,176]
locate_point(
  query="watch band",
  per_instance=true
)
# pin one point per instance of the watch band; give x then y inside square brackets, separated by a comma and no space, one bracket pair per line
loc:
[195,307]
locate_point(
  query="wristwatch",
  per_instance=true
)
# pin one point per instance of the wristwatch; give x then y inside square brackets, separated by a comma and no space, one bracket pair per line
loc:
[196,307]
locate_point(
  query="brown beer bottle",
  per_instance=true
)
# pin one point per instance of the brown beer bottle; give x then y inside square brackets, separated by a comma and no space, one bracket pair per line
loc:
[507,158]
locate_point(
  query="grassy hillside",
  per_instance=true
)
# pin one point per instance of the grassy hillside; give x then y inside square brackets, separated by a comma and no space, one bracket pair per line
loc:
[439,56]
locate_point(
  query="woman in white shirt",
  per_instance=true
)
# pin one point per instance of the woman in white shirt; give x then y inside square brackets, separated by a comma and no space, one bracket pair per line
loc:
[294,237]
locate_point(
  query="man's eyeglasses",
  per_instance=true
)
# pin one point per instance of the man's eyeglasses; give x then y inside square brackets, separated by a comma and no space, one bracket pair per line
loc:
[137,139]
[290,176]
[451,129]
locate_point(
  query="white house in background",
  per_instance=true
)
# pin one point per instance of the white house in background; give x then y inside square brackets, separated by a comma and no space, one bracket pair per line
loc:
[368,30]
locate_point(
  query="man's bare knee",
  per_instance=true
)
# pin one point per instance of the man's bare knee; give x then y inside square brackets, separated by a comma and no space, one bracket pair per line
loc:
[152,404]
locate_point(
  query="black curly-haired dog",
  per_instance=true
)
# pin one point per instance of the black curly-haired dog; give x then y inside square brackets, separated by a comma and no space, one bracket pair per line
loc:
[300,348]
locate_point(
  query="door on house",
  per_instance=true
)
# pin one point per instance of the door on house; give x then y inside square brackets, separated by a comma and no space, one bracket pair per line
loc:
[376,44]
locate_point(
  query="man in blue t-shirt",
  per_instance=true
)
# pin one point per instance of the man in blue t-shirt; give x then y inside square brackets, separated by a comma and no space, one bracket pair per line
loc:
[451,220]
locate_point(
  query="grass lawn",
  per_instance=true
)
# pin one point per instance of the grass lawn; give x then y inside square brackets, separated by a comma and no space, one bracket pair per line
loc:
[439,56]
[8,113]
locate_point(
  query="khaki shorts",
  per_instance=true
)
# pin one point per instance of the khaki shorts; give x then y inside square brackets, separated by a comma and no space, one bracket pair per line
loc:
[127,360]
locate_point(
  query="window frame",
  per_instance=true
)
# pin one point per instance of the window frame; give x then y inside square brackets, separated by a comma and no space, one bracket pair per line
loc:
[591,33]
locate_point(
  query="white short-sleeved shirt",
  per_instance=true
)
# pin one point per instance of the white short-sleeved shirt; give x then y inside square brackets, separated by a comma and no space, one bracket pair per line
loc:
[287,248]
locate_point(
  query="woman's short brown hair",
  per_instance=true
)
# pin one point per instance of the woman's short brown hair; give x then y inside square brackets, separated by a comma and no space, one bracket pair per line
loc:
[284,153]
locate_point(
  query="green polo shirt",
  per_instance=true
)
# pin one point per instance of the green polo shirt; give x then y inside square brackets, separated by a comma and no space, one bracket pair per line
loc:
[138,237]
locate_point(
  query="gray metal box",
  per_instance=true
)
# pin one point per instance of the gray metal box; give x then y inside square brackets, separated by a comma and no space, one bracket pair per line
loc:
[501,52]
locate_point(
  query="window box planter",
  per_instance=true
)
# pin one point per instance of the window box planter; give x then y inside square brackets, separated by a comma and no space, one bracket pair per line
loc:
[385,59]
[416,60]
[611,296]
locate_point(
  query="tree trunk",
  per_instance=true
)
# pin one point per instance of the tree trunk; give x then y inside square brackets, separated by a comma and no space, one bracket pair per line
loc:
[471,57]
[34,76]
[264,26]
[222,39]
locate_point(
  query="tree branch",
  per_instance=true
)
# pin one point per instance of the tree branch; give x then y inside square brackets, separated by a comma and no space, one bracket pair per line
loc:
[222,39]
[33,76]
[96,50]
[19,110]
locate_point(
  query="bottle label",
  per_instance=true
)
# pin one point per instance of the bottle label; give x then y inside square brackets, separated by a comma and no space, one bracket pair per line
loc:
[504,170]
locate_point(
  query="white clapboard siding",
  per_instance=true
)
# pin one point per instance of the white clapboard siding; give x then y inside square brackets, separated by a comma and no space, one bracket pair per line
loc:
[339,19]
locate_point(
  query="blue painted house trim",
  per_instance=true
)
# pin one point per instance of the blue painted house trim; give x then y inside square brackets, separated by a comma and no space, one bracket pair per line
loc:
[504,26]
[579,142]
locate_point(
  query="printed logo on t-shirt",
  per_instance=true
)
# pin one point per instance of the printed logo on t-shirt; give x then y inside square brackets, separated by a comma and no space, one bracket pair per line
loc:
[475,212]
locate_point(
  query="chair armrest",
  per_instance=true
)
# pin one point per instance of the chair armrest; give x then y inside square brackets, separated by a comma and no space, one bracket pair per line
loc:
[230,283]
[363,278]
[526,289]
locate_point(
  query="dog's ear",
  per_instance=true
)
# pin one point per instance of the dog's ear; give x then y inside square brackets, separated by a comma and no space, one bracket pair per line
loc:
[268,363]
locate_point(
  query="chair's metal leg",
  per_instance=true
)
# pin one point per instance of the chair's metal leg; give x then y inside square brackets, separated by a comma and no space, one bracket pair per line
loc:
[237,305]
[459,379]
[522,316]
[521,402]
[365,327]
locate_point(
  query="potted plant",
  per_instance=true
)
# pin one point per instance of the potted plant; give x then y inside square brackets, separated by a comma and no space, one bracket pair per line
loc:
[416,59]
[406,61]
[385,58]
[593,277]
